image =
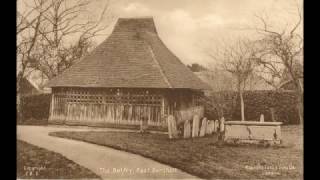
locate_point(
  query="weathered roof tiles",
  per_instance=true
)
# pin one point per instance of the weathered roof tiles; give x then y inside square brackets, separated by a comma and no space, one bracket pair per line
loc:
[133,56]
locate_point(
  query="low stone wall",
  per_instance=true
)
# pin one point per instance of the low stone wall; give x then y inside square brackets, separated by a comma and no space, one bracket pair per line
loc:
[252,132]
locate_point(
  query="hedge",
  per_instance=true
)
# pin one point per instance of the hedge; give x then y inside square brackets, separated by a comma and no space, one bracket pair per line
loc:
[256,103]
[35,109]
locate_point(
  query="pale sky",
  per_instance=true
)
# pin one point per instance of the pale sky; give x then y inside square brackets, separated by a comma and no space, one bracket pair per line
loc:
[189,27]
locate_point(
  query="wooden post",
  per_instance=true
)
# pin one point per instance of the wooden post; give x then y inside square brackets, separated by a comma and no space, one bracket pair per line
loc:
[51,108]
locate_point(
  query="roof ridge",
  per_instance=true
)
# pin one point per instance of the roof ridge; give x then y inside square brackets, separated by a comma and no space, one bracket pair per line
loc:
[158,64]
[137,17]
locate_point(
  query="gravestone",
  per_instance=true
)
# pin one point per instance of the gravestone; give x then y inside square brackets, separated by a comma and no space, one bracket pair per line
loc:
[187,129]
[216,125]
[143,125]
[222,124]
[261,118]
[212,126]
[208,130]
[203,127]
[172,127]
[195,126]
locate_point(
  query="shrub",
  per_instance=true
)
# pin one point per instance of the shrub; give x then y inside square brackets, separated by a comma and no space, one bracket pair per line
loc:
[35,109]
[284,104]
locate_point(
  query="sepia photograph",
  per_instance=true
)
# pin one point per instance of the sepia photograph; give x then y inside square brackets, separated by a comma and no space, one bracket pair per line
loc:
[159,89]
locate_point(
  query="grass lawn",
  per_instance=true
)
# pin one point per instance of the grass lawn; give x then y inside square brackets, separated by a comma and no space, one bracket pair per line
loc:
[38,163]
[206,158]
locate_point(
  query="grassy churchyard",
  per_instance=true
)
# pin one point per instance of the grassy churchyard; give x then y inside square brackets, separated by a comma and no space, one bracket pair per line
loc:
[205,157]
[37,163]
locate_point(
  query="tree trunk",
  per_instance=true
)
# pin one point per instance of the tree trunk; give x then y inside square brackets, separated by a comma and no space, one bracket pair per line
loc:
[19,113]
[242,105]
[273,118]
[299,91]
[300,107]
[300,111]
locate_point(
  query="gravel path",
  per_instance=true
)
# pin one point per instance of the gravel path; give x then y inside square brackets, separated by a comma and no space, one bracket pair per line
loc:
[105,162]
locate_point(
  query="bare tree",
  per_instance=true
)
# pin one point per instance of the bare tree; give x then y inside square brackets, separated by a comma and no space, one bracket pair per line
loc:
[52,34]
[63,22]
[281,52]
[28,27]
[237,59]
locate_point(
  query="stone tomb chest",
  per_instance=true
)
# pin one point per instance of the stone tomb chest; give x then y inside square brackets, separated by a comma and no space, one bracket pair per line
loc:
[253,132]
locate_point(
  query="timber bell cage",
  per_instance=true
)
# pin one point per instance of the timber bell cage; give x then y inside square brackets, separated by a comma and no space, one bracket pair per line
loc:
[127,80]
[85,106]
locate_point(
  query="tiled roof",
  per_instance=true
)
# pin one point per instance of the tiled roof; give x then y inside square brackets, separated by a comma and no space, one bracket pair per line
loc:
[133,56]
[27,87]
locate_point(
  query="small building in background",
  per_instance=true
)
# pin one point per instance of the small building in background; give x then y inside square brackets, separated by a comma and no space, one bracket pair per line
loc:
[27,87]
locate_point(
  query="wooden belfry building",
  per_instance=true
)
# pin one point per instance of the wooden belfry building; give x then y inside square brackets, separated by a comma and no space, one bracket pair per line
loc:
[130,77]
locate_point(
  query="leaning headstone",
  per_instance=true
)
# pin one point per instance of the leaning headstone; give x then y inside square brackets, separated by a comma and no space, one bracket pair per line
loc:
[203,127]
[222,124]
[195,126]
[216,125]
[261,118]
[187,129]
[172,127]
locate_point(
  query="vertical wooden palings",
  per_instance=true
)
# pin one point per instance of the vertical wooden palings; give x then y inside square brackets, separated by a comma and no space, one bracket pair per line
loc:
[83,112]
[78,105]
[51,108]
[134,114]
[117,113]
[112,113]
[152,113]
[95,112]
[60,107]
[98,109]
[83,117]
[56,108]
[130,113]
[109,115]
[103,113]
[121,109]
[75,112]
[89,111]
